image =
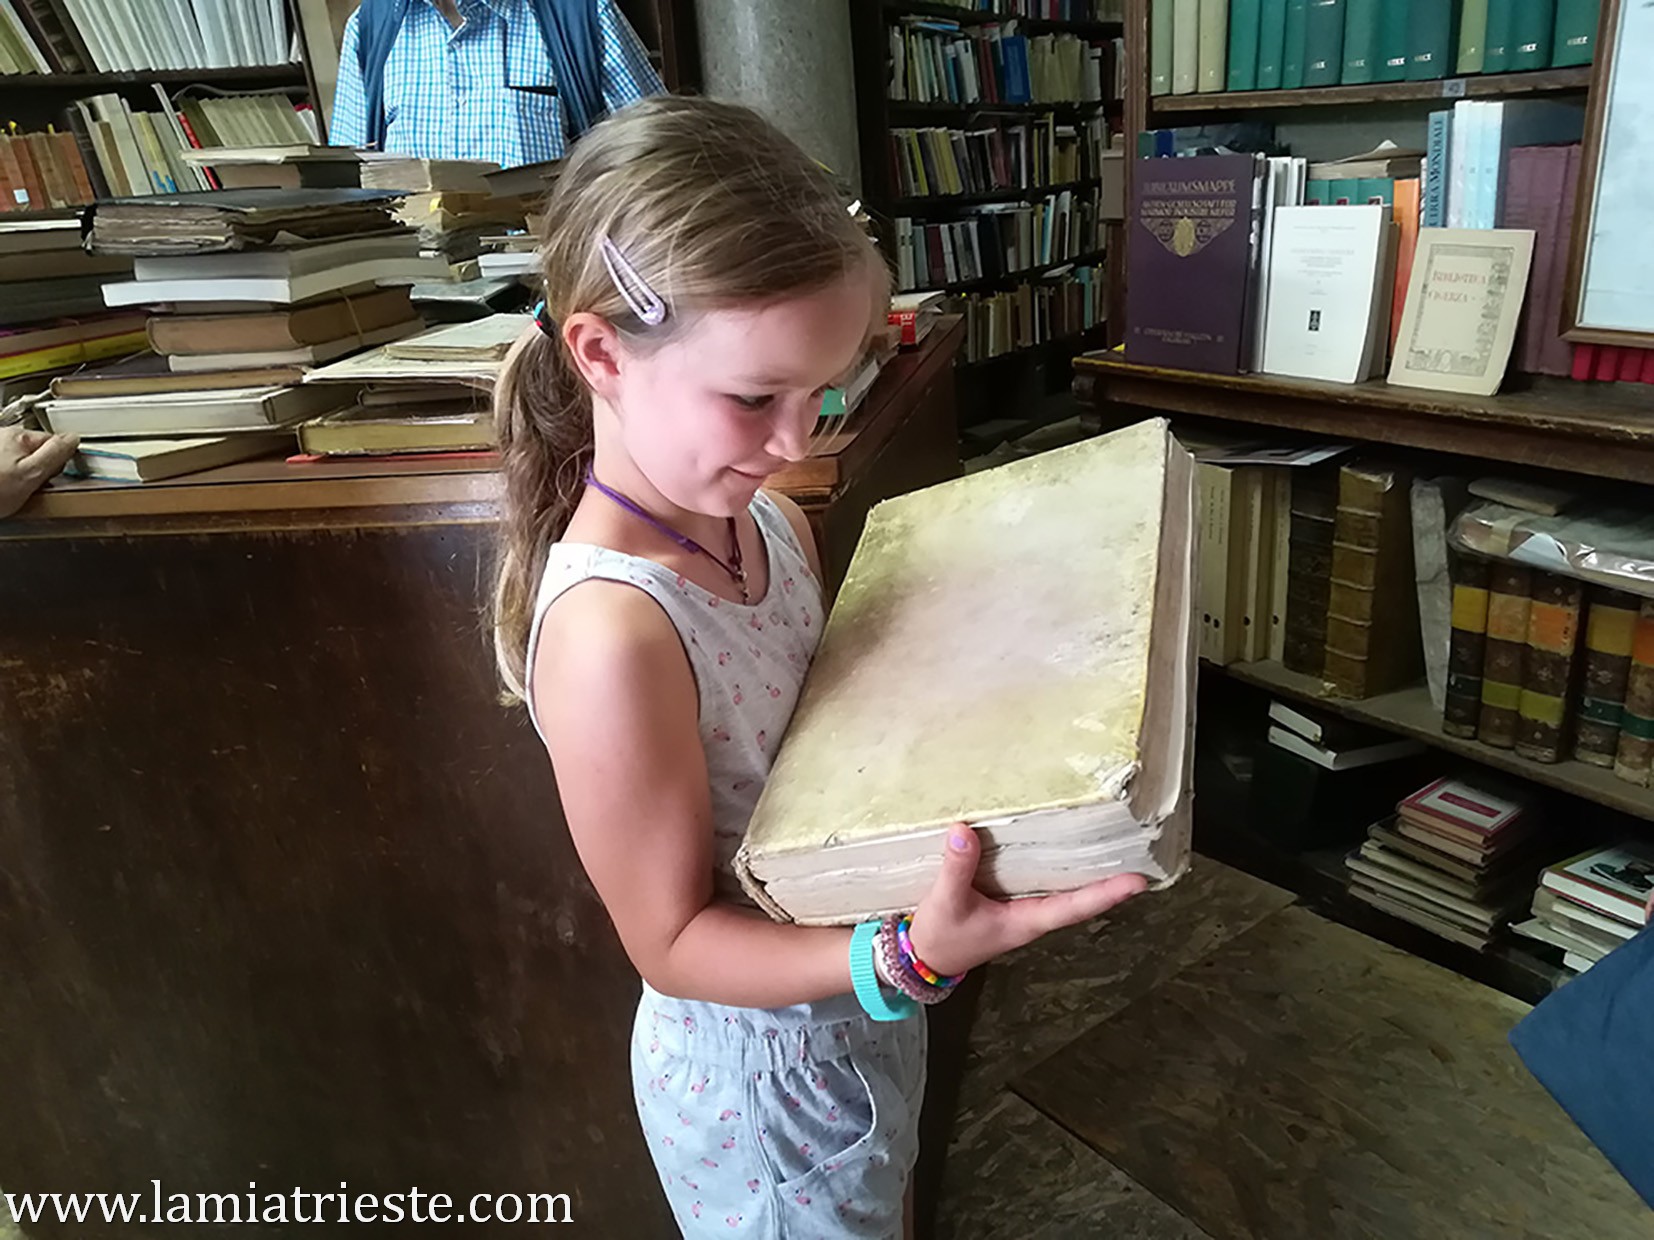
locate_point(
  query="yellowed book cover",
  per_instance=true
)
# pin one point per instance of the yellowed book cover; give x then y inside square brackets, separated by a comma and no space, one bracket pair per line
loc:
[1016,650]
[1463,302]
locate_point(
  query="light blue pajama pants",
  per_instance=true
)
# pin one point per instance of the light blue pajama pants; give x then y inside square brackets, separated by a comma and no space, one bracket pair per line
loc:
[791,1123]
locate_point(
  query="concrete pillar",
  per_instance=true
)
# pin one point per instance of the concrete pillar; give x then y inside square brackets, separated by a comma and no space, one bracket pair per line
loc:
[790,60]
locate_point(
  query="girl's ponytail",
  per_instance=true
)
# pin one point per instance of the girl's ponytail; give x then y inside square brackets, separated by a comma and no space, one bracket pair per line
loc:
[543,421]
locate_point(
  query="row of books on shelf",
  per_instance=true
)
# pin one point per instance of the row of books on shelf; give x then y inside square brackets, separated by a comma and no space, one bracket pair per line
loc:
[1353,292]
[1240,45]
[1060,304]
[939,61]
[1044,10]
[997,239]
[1025,155]
[112,150]
[1551,667]
[111,36]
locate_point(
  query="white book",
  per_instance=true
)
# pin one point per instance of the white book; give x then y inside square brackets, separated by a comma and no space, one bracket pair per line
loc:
[113,110]
[1277,193]
[152,460]
[1618,881]
[281,290]
[37,60]
[189,413]
[93,36]
[181,18]
[1345,760]
[1326,272]
[1463,153]
[967,604]
[209,19]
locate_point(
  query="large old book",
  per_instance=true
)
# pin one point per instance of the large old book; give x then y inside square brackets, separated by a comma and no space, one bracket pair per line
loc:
[268,331]
[1462,308]
[1636,749]
[1548,669]
[990,661]
[1467,646]
[152,460]
[1190,260]
[1609,625]
[1314,510]
[1510,588]
[1372,610]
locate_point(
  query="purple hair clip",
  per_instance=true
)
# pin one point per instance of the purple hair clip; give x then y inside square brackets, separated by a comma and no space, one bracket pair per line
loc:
[643,300]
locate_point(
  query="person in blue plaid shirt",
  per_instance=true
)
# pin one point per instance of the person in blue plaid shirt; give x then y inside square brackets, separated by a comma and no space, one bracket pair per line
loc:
[473,79]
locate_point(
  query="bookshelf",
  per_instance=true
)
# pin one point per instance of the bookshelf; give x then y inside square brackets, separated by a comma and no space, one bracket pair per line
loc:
[1600,433]
[1481,86]
[878,115]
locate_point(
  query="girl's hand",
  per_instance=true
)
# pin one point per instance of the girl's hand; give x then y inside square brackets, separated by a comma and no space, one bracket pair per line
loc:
[956,927]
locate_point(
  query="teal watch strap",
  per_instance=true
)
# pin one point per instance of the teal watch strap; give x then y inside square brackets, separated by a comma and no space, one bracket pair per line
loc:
[865,978]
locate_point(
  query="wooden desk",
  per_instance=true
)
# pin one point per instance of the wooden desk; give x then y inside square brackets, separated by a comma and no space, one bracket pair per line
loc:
[285,893]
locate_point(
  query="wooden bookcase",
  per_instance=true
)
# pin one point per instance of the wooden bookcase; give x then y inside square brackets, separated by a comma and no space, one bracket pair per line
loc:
[877,114]
[1592,430]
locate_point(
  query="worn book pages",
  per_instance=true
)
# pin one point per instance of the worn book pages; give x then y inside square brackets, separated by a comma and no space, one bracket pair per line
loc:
[1014,649]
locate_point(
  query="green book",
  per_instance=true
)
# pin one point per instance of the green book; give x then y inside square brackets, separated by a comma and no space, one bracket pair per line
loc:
[1344,192]
[1360,42]
[1271,43]
[1392,40]
[1501,16]
[1531,26]
[1473,36]
[1292,43]
[1160,48]
[1432,48]
[1573,39]
[1324,43]
[1245,27]
[1315,193]
[1376,189]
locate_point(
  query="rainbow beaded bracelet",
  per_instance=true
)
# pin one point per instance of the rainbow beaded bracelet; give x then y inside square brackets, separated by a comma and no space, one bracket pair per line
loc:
[911,959]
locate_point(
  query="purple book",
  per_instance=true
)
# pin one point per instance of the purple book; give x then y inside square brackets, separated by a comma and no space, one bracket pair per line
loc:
[1533,199]
[1188,261]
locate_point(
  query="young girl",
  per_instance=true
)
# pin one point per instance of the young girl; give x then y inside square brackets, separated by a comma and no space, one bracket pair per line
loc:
[704,286]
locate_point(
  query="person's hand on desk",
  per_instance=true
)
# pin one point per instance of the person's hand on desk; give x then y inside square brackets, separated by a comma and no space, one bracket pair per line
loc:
[27,460]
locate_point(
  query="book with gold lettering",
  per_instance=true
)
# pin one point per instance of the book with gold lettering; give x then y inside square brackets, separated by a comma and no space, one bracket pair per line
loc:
[990,659]
[1464,298]
[1190,261]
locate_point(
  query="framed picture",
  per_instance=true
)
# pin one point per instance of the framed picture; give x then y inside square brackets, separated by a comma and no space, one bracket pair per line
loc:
[1609,297]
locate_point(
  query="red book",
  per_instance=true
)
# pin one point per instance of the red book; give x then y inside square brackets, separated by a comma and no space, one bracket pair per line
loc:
[1608,363]
[1647,375]
[1533,199]
[1631,365]
[1459,807]
[1585,362]
[1553,350]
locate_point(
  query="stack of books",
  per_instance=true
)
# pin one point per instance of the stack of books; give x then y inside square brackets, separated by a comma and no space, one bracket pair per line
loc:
[428,393]
[1248,45]
[913,316]
[249,289]
[449,203]
[1588,905]
[1457,859]
[52,316]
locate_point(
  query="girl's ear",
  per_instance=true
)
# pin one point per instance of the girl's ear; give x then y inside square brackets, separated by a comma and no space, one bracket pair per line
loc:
[595,347]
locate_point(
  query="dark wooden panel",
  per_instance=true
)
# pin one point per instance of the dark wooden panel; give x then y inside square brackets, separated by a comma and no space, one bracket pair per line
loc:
[1306,1081]
[287,893]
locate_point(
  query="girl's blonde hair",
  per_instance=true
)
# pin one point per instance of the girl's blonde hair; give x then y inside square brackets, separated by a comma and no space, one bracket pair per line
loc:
[713,207]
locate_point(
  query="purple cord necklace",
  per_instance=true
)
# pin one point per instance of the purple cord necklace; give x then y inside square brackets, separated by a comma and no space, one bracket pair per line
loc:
[733,566]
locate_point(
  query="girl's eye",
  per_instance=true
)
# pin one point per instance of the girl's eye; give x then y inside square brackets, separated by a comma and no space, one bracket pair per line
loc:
[752,402]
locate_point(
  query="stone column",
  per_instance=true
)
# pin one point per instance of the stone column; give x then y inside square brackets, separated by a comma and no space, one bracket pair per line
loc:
[790,60]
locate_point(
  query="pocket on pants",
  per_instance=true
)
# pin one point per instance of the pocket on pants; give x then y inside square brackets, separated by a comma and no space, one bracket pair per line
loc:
[815,1116]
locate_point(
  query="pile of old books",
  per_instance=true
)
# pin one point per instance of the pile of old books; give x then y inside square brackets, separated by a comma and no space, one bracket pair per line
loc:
[248,289]
[428,393]
[1588,905]
[52,315]
[1458,859]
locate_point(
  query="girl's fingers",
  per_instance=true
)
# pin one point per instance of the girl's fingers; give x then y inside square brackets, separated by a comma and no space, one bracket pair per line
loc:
[1033,918]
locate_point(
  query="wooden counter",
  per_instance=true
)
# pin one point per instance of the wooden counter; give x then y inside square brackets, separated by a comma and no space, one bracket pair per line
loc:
[285,893]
